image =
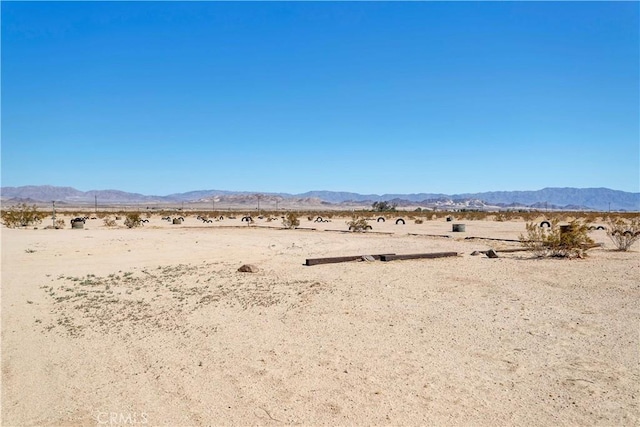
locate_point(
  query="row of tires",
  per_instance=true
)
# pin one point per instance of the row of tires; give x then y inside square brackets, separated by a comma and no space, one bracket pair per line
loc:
[381,219]
[398,221]
[601,227]
[627,233]
[547,224]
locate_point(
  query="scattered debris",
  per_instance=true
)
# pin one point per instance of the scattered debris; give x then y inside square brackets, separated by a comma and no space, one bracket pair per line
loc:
[458,228]
[368,258]
[491,253]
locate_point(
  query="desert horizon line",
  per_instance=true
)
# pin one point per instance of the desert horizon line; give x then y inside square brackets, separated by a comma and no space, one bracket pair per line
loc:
[291,193]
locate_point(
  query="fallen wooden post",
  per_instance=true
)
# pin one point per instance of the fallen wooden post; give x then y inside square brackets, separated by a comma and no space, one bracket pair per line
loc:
[491,238]
[418,256]
[509,250]
[333,260]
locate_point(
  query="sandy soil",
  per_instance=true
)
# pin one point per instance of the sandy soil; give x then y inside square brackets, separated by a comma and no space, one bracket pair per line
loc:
[155,326]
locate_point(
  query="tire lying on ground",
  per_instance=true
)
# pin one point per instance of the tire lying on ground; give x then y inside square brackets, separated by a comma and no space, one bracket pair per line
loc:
[399,220]
[542,224]
[381,219]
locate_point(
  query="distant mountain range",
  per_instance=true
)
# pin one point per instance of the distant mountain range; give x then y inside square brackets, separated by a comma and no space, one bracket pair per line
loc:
[601,199]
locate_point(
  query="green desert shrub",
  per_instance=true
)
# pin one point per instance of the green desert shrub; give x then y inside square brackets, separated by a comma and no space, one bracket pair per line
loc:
[21,215]
[568,241]
[384,206]
[358,225]
[133,220]
[623,233]
[291,220]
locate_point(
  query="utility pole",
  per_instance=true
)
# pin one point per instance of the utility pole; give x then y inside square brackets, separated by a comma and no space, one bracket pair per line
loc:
[53,216]
[96,196]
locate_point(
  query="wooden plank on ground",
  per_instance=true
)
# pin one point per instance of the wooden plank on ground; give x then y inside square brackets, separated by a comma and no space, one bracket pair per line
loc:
[491,238]
[333,260]
[508,250]
[430,235]
[418,256]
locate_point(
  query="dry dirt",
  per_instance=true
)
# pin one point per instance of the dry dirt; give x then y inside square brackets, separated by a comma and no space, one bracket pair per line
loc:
[155,326]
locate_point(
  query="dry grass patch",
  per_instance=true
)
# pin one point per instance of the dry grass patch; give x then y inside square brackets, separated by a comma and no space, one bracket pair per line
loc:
[164,298]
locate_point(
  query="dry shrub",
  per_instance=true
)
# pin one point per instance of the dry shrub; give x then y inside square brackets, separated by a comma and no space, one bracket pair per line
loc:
[291,220]
[570,241]
[358,225]
[133,220]
[109,222]
[21,215]
[623,233]
[419,221]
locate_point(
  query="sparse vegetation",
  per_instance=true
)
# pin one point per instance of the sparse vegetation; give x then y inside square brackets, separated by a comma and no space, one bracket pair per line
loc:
[133,220]
[358,225]
[162,299]
[384,206]
[623,233]
[291,220]
[109,222]
[21,215]
[500,217]
[569,241]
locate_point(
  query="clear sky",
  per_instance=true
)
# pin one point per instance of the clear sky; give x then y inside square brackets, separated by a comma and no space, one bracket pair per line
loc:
[370,97]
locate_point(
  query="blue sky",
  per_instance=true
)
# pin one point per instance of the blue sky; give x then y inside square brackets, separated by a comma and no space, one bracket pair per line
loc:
[370,97]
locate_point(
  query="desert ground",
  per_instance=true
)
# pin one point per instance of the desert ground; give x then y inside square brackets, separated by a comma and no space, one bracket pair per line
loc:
[155,326]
